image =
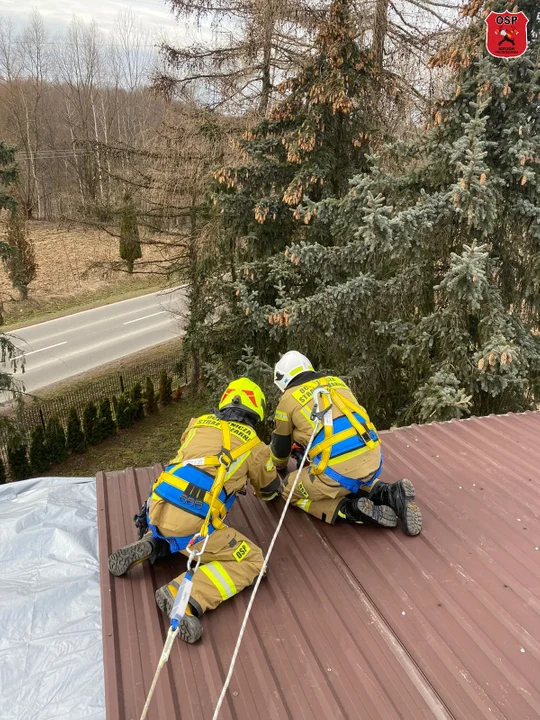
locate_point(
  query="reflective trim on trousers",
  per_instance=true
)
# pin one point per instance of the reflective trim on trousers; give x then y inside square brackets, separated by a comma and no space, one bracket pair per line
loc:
[215,572]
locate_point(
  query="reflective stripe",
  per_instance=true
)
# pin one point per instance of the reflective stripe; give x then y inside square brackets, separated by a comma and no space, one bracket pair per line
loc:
[280,415]
[239,430]
[302,490]
[279,461]
[348,456]
[305,392]
[303,505]
[236,465]
[215,572]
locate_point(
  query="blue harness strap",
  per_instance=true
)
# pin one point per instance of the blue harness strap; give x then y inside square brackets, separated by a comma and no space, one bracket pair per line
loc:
[176,544]
[200,480]
[344,446]
[353,486]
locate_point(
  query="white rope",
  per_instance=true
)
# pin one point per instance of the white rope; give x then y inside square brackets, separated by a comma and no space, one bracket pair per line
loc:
[162,660]
[316,426]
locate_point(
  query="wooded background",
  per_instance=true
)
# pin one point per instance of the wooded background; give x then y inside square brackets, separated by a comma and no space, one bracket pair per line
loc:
[356,180]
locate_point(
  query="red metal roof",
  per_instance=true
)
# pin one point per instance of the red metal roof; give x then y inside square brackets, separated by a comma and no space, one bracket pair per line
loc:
[357,622]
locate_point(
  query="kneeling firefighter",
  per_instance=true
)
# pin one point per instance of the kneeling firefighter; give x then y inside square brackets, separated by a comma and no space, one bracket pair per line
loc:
[220,447]
[341,483]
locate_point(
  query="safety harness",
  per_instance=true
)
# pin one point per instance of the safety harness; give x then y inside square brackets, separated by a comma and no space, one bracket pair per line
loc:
[350,434]
[187,486]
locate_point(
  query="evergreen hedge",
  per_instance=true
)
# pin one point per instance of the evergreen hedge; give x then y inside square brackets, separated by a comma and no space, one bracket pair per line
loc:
[165,388]
[55,440]
[149,397]
[137,403]
[39,456]
[90,423]
[75,440]
[17,455]
[106,420]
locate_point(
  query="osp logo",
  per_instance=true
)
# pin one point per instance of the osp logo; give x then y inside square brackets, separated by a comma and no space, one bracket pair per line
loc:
[506,35]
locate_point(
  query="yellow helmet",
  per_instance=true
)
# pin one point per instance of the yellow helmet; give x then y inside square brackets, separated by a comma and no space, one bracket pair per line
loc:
[246,394]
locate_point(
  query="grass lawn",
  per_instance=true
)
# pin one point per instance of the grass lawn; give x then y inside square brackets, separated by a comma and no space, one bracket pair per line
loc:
[154,439]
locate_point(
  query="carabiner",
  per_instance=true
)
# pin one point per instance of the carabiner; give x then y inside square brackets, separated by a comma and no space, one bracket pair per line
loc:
[317,414]
[196,553]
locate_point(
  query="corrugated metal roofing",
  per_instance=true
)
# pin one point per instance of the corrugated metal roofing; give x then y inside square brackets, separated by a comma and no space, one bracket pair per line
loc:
[357,622]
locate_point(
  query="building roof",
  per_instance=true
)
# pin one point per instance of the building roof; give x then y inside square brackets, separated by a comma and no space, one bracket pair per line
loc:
[356,622]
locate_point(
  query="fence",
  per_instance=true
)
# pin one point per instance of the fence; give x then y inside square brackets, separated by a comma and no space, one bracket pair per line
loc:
[38,411]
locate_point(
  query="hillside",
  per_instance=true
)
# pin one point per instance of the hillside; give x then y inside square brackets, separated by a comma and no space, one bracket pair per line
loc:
[75,267]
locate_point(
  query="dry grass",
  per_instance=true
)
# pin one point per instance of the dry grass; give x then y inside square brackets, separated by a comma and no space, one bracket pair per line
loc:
[74,271]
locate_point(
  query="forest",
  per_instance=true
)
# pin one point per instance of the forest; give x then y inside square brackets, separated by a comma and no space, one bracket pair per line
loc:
[357,180]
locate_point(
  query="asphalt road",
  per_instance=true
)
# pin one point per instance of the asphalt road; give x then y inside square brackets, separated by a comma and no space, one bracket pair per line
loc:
[67,346]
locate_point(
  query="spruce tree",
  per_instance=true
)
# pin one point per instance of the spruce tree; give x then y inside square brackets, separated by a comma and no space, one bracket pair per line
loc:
[430,300]
[75,440]
[55,440]
[137,403]
[149,397]
[8,352]
[90,424]
[130,245]
[313,142]
[3,476]
[17,457]
[105,419]
[39,456]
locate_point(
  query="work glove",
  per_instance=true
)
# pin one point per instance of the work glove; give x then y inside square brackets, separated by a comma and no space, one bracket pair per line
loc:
[297,453]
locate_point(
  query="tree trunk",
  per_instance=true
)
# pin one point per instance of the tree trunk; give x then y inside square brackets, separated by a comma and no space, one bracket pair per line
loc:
[195,282]
[266,89]
[380,28]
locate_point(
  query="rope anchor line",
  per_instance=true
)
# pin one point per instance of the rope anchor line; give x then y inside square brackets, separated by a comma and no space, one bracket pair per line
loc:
[182,598]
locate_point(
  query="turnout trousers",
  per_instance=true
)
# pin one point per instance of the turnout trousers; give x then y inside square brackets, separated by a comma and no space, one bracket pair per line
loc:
[315,497]
[229,564]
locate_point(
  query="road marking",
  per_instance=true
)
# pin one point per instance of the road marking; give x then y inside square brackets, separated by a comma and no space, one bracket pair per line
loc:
[146,317]
[33,352]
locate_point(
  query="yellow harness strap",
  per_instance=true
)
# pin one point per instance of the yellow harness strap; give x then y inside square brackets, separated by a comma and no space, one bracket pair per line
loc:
[328,438]
[217,510]
[183,485]
[347,407]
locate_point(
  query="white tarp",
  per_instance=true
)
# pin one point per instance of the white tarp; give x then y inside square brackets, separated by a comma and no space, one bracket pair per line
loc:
[51,658]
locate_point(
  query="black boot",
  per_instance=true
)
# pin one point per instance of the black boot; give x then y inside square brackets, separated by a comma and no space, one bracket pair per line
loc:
[400,497]
[147,548]
[189,627]
[364,511]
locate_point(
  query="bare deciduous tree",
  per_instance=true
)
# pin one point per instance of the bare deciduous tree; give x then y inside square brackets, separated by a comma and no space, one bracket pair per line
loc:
[255,45]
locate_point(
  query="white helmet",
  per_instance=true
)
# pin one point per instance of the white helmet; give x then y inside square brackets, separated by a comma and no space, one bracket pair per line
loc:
[288,366]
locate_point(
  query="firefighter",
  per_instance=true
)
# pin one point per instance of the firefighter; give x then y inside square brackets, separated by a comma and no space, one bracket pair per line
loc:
[341,483]
[224,441]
